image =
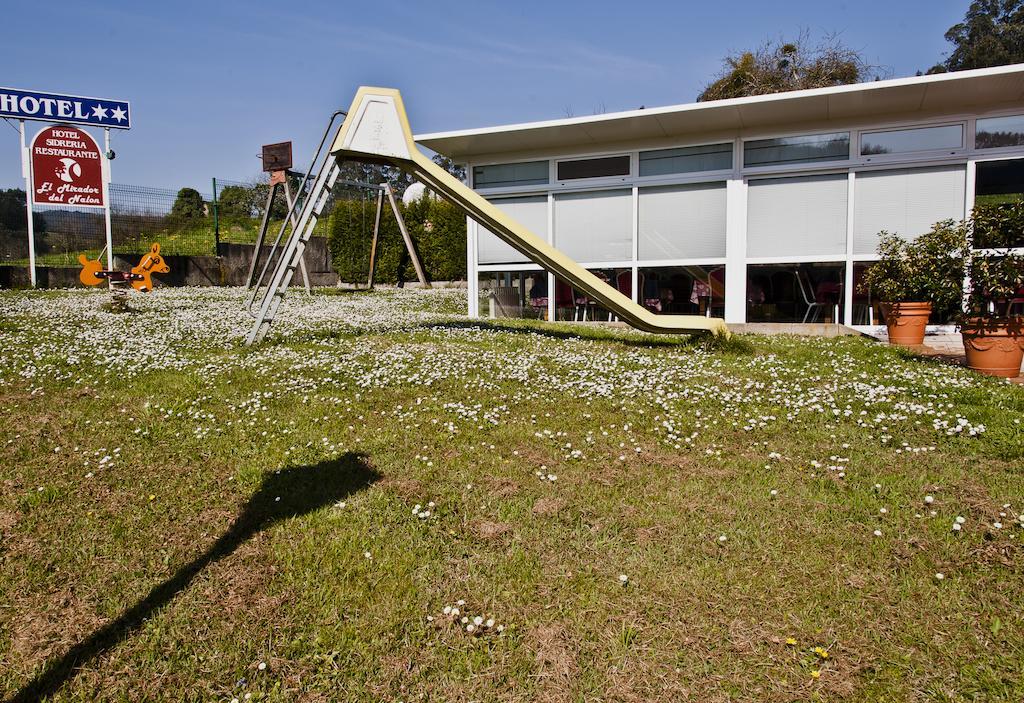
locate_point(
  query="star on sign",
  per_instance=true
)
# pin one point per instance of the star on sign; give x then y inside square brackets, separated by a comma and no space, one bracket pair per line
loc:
[118,114]
[99,111]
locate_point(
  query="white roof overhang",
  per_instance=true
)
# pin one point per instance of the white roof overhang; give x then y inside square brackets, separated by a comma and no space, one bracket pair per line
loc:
[987,88]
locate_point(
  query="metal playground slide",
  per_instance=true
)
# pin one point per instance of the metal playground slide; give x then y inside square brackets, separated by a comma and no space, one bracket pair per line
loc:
[376,130]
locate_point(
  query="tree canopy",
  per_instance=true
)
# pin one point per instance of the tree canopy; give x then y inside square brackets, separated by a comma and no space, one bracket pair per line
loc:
[12,212]
[188,205]
[778,66]
[991,34]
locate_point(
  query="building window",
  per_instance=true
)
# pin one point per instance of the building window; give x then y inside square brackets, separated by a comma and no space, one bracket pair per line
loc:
[513,294]
[688,159]
[602,167]
[577,306]
[683,290]
[531,212]
[904,141]
[795,292]
[998,184]
[527,173]
[597,226]
[906,202]
[682,222]
[797,150]
[797,216]
[999,132]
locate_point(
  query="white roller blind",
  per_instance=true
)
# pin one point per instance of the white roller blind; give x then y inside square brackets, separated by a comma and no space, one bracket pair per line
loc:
[595,227]
[531,212]
[797,216]
[682,222]
[906,202]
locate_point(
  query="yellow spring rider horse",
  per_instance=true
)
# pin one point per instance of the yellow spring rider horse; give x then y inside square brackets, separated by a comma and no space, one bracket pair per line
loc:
[140,277]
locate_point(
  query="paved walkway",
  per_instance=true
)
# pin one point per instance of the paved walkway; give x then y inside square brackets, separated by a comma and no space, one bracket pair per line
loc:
[947,346]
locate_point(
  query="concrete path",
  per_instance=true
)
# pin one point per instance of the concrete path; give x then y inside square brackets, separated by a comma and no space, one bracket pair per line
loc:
[948,346]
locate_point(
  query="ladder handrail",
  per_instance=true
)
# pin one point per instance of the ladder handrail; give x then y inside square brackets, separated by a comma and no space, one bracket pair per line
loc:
[294,248]
[299,198]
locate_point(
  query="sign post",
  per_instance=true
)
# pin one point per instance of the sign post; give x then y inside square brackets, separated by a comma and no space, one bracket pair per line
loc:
[26,171]
[106,197]
[63,166]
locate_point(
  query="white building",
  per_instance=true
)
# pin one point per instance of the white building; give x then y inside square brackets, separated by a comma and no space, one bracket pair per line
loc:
[762,209]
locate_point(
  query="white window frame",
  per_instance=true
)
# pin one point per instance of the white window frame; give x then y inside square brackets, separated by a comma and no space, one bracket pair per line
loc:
[723,173]
[794,166]
[974,151]
[913,155]
[576,182]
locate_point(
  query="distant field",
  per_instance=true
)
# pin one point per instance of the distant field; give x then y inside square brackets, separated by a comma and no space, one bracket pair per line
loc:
[178,241]
[632,518]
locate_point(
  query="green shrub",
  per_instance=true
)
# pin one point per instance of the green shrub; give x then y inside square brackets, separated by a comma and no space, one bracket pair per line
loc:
[929,269]
[996,272]
[437,228]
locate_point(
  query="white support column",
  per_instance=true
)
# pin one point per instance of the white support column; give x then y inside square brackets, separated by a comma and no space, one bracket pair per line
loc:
[637,294]
[26,171]
[551,241]
[970,182]
[848,288]
[736,251]
[472,277]
[472,247]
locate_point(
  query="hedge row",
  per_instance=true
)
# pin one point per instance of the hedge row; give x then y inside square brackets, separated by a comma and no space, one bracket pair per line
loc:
[437,227]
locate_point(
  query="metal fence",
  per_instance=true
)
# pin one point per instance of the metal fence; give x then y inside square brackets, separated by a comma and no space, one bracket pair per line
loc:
[139,216]
[185,222]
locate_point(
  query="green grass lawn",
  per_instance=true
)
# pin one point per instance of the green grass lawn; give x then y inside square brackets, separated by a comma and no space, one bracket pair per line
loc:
[630,517]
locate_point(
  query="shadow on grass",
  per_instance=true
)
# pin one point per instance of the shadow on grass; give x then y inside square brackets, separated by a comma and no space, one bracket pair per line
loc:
[569,330]
[288,493]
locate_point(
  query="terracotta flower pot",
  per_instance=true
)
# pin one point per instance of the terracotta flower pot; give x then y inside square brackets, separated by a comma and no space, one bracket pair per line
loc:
[906,322]
[994,347]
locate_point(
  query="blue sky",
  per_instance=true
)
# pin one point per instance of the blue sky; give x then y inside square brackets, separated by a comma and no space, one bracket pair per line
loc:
[210,82]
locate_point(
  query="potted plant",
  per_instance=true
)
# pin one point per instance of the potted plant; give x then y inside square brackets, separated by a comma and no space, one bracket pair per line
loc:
[991,324]
[913,278]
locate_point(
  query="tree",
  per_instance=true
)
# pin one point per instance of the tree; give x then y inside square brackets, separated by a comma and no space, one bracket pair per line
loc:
[12,213]
[778,66]
[991,34]
[238,202]
[188,205]
[456,169]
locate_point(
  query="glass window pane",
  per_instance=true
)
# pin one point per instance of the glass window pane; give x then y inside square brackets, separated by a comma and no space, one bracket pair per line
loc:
[592,227]
[998,184]
[531,212]
[899,141]
[513,294]
[682,222]
[688,159]
[997,132]
[797,216]
[906,202]
[795,292]
[505,175]
[572,304]
[683,290]
[797,150]
[593,168]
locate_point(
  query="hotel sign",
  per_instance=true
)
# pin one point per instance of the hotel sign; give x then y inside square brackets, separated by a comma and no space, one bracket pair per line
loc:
[67,168]
[65,109]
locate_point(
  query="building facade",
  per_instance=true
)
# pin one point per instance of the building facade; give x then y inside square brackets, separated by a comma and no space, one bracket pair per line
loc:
[760,209]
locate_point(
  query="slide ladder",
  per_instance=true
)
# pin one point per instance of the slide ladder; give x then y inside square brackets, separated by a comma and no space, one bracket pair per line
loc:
[290,258]
[376,130]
